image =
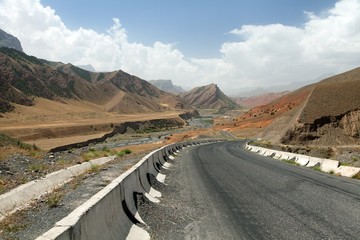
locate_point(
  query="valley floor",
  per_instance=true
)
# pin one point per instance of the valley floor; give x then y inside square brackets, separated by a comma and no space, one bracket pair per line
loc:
[50,124]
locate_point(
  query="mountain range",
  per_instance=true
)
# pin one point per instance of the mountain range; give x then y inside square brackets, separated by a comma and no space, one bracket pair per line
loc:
[24,78]
[259,100]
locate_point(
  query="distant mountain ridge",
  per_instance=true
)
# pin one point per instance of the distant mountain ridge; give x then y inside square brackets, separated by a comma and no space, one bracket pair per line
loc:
[8,40]
[278,88]
[167,86]
[23,78]
[259,100]
[87,67]
[208,97]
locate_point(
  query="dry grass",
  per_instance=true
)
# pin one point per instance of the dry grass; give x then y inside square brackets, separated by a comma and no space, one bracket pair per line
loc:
[11,224]
[49,124]
[356,176]
[53,199]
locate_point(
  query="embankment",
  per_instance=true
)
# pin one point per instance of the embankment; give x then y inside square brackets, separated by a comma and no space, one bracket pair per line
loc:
[137,126]
[112,213]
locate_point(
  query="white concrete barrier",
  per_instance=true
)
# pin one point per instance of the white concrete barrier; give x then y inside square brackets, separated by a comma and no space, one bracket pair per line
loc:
[278,155]
[329,165]
[19,197]
[326,165]
[80,168]
[112,212]
[346,171]
[314,161]
[288,156]
[302,160]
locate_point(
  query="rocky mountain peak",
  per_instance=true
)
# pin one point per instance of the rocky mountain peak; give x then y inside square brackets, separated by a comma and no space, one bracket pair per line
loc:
[209,97]
[167,86]
[8,40]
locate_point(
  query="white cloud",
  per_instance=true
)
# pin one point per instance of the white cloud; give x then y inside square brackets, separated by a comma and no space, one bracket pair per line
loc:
[263,55]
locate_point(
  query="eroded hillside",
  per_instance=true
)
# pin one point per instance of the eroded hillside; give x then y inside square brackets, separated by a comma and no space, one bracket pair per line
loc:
[325,113]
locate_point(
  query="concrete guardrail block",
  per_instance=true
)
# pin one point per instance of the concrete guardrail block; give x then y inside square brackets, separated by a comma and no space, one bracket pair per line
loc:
[346,171]
[329,165]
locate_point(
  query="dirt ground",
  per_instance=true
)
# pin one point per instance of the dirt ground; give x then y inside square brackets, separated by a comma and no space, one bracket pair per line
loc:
[49,124]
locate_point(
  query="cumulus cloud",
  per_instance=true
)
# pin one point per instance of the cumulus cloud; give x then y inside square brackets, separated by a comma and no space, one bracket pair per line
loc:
[265,55]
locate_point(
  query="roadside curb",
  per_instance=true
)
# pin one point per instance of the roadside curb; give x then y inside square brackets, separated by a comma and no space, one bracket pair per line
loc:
[20,197]
[326,165]
[112,212]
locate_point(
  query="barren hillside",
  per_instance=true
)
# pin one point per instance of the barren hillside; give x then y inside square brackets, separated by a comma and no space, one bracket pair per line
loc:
[208,97]
[325,113]
[24,78]
[59,103]
[259,100]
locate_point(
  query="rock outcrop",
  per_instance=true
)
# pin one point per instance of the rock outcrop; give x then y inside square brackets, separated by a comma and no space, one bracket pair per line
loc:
[8,40]
[167,86]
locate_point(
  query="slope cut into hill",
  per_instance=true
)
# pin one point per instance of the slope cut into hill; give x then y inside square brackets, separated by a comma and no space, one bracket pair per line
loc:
[208,97]
[324,113]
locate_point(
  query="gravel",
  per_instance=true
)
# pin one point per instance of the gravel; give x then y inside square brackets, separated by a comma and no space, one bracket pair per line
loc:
[178,213]
[41,216]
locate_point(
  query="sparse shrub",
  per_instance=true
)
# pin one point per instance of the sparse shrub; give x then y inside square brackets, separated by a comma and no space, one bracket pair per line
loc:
[120,154]
[53,199]
[291,162]
[268,144]
[88,156]
[356,176]
[127,151]
[37,167]
[126,167]
[123,152]
[105,149]
[94,168]
[2,184]
[11,226]
[317,168]
[61,162]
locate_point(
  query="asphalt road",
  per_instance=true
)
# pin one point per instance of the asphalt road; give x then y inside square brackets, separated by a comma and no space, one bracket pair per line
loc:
[222,191]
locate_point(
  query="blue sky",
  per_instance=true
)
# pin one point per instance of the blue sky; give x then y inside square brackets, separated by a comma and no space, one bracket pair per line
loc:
[235,44]
[197,27]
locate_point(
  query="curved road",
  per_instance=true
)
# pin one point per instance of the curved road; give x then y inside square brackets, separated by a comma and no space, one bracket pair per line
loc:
[222,191]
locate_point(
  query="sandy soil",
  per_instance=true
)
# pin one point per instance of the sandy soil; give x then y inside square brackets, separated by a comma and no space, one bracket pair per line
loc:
[49,124]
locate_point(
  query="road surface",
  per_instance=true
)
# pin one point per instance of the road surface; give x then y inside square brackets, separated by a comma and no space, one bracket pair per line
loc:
[222,191]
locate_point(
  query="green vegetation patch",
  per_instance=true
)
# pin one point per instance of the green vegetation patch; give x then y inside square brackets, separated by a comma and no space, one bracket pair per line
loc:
[317,168]
[123,152]
[290,162]
[6,141]
[104,152]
